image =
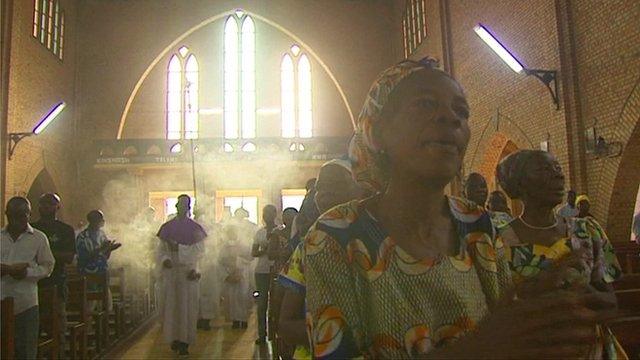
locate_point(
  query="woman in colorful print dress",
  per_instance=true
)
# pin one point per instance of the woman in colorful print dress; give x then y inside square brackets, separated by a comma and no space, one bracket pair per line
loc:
[538,238]
[335,186]
[409,272]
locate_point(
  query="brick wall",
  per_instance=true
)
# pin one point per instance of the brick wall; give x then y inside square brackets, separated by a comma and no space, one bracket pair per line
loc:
[37,81]
[594,45]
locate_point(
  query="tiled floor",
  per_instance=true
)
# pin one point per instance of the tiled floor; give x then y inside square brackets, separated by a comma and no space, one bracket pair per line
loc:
[221,342]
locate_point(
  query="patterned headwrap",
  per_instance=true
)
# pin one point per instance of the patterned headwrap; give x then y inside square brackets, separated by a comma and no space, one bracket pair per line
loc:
[366,156]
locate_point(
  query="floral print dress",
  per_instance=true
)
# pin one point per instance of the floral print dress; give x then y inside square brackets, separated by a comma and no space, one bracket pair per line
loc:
[366,296]
[602,266]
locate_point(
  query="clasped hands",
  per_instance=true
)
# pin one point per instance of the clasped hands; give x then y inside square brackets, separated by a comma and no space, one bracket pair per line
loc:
[17,271]
[546,316]
[192,275]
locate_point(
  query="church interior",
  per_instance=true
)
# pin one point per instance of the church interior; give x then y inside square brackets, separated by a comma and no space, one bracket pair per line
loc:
[120,108]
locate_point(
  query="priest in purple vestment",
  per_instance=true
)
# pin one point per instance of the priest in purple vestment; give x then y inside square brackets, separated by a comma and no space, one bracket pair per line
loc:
[179,251]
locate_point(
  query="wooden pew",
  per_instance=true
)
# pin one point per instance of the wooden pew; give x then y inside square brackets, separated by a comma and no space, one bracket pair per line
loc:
[626,327]
[628,254]
[100,312]
[8,327]
[78,319]
[48,302]
[120,301]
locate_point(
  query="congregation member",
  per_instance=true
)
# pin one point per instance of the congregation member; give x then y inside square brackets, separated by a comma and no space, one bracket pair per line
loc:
[499,209]
[180,248]
[569,210]
[263,268]
[94,250]
[411,272]
[583,204]
[279,252]
[25,258]
[335,186]
[306,216]
[475,189]
[537,239]
[62,242]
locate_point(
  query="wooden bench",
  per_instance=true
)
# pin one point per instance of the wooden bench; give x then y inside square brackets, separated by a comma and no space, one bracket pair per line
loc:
[628,254]
[100,311]
[627,326]
[78,319]
[49,340]
[7,328]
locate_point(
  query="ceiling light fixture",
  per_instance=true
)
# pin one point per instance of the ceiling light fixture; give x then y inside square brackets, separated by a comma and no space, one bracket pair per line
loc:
[546,76]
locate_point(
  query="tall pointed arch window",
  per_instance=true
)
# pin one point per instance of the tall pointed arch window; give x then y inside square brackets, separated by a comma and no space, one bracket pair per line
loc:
[296,94]
[239,77]
[182,95]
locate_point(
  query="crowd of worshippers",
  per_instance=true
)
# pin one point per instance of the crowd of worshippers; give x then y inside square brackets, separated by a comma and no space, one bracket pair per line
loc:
[379,262]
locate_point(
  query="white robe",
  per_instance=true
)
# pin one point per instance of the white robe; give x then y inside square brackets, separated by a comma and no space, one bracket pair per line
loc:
[179,296]
[238,294]
[210,286]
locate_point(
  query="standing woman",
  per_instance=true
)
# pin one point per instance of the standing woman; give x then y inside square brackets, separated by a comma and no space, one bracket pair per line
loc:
[411,272]
[539,237]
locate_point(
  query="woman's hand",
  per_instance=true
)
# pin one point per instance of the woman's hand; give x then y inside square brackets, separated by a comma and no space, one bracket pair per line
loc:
[541,318]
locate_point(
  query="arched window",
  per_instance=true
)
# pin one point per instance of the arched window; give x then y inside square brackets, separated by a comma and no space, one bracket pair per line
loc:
[296,95]
[288,98]
[182,95]
[239,77]
[191,98]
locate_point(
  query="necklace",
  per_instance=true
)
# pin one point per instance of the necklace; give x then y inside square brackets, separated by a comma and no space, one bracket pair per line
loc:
[538,227]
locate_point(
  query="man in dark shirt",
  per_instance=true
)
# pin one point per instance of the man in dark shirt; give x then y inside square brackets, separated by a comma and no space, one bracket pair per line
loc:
[63,246]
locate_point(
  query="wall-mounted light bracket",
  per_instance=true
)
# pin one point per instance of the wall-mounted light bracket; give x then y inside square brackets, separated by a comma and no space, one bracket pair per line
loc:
[547,77]
[14,139]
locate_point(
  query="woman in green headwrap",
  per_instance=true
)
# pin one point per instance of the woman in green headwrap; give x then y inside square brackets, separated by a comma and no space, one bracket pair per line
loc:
[411,272]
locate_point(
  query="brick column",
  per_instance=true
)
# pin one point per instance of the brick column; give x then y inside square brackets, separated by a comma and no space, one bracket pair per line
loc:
[6,17]
[571,98]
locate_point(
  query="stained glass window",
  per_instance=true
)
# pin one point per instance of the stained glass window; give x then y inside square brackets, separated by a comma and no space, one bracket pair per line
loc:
[305,122]
[182,95]
[287,85]
[48,25]
[248,70]
[36,18]
[414,25]
[231,86]
[239,77]
[191,98]
[60,51]
[296,95]
[174,98]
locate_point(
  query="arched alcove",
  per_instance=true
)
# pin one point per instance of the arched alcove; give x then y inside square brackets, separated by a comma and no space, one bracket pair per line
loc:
[43,183]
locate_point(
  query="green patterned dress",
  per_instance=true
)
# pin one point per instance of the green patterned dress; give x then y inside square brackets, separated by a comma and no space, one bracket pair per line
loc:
[367,297]
[528,260]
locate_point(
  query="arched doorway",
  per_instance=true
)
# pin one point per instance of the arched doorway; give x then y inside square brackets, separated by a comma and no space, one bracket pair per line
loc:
[43,183]
[498,147]
[625,191]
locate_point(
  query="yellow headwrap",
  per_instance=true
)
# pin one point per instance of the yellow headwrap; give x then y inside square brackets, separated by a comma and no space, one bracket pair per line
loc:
[582,198]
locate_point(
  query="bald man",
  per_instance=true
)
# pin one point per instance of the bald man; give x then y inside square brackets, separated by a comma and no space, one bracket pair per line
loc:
[63,246]
[25,258]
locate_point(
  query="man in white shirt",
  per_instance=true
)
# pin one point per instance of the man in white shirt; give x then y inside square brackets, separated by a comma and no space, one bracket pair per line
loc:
[25,258]
[263,268]
[569,210]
